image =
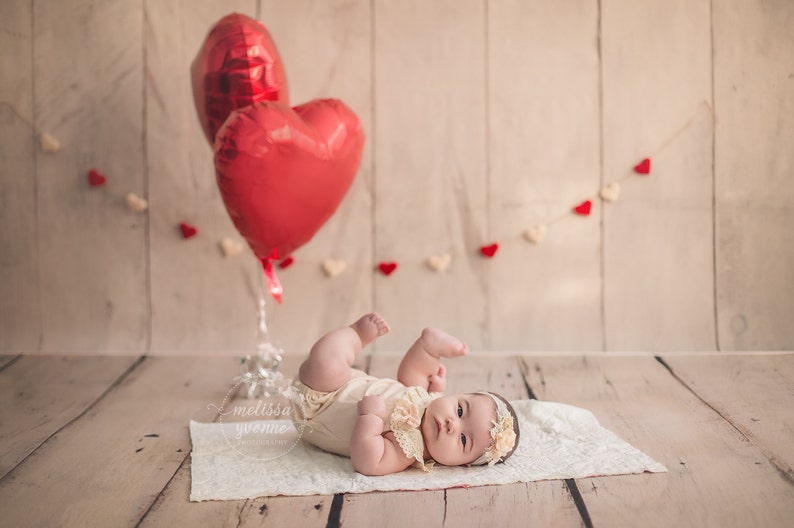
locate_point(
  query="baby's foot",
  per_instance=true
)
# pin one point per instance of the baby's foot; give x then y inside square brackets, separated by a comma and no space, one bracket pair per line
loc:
[438,343]
[370,327]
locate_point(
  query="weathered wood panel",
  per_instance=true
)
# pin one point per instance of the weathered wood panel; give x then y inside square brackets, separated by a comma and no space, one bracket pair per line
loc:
[42,394]
[754,101]
[108,467]
[543,119]
[716,477]
[88,92]
[753,392]
[201,301]
[429,186]
[326,49]
[20,310]
[658,238]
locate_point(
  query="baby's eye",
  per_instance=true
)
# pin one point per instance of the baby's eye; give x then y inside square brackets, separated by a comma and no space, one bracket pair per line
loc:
[460,411]
[463,439]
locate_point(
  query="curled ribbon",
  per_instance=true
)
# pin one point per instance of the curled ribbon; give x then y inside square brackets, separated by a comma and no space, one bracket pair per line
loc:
[273,284]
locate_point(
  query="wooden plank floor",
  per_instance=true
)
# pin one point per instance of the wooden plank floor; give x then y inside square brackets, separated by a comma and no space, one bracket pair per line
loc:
[99,441]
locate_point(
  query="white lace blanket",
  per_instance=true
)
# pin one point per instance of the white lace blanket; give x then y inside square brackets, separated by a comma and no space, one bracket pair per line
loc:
[558,441]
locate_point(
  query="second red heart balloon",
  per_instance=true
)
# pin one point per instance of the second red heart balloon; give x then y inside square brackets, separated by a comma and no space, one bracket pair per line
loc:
[283,172]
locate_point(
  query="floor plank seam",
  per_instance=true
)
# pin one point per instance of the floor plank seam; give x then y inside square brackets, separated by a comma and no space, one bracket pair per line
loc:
[160,493]
[335,513]
[523,368]
[785,472]
[699,397]
[578,500]
[240,513]
[444,518]
[80,415]
[11,362]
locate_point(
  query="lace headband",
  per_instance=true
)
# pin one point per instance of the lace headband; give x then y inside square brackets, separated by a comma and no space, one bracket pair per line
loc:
[503,435]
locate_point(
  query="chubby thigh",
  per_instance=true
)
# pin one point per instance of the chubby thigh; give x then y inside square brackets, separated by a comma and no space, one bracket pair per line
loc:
[331,416]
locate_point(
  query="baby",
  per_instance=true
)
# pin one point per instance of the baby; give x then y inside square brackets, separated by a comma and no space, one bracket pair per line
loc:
[384,425]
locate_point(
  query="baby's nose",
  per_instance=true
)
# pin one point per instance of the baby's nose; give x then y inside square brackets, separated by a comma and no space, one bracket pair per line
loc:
[451,425]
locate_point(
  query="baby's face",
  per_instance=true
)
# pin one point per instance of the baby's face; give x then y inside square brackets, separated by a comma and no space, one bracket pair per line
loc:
[457,428]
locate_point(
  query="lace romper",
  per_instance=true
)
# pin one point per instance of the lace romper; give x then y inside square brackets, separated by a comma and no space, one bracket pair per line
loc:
[331,416]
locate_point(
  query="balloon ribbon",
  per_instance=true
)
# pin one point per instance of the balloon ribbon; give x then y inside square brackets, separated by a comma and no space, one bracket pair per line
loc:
[273,284]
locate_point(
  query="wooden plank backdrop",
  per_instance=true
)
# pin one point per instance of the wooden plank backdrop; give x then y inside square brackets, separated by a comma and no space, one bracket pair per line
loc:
[483,118]
[200,300]
[88,91]
[754,160]
[658,254]
[544,158]
[20,309]
[430,183]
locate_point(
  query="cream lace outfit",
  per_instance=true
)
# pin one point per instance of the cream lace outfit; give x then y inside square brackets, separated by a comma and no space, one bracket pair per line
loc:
[331,416]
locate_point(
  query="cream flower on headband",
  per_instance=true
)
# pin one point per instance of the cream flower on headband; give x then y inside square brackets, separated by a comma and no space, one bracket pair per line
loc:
[503,435]
[503,438]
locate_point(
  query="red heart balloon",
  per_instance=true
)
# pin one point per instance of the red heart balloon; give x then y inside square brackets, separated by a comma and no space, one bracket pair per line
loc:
[282,172]
[237,65]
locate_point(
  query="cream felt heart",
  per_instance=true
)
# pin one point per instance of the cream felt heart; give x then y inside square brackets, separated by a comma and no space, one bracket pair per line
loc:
[332,268]
[439,263]
[611,192]
[231,247]
[49,143]
[136,204]
[536,234]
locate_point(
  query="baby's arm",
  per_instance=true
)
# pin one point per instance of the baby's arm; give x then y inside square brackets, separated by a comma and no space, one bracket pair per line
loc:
[421,365]
[370,451]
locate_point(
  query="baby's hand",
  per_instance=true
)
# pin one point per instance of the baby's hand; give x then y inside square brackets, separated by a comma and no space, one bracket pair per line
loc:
[438,381]
[373,404]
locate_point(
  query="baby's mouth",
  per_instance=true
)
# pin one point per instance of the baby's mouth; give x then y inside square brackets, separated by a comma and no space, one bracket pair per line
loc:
[438,427]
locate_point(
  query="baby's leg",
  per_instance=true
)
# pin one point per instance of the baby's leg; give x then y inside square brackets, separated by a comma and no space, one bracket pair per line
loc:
[421,365]
[328,366]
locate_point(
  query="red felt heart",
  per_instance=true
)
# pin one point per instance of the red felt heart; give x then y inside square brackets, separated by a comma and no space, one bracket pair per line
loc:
[95,179]
[387,268]
[644,167]
[286,263]
[583,208]
[188,230]
[237,65]
[489,251]
[282,172]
